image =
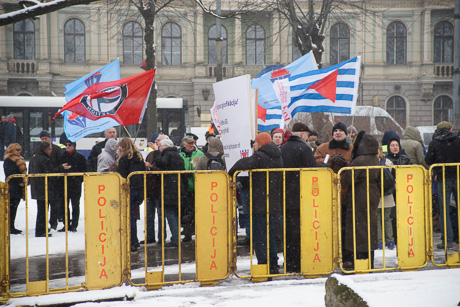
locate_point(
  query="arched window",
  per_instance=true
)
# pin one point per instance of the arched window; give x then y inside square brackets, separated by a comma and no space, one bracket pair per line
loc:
[24,40]
[443,109]
[396,43]
[132,43]
[255,45]
[340,43]
[396,107]
[212,50]
[171,44]
[443,42]
[74,41]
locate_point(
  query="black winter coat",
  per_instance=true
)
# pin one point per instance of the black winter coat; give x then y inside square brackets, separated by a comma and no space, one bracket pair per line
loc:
[40,163]
[15,189]
[77,161]
[127,166]
[268,156]
[170,160]
[445,148]
[296,153]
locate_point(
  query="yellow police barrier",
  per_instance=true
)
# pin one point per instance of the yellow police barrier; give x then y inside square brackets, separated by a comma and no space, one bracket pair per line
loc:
[213,233]
[448,257]
[318,244]
[412,225]
[105,260]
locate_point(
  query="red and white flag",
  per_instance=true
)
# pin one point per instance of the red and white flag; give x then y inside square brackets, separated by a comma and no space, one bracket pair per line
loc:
[124,100]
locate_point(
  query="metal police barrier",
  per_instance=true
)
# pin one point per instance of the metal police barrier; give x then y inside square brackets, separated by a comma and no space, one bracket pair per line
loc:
[445,178]
[358,225]
[209,258]
[313,218]
[50,271]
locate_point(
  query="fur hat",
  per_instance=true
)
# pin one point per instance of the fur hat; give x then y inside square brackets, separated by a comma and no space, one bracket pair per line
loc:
[444,125]
[263,139]
[44,133]
[340,126]
[300,127]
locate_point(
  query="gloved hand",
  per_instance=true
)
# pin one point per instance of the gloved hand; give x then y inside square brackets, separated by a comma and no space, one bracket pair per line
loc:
[339,160]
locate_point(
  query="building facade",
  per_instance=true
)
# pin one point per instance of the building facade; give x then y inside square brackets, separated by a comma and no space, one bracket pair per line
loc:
[406,48]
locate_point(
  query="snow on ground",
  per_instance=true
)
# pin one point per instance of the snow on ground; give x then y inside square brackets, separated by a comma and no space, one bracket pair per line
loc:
[435,287]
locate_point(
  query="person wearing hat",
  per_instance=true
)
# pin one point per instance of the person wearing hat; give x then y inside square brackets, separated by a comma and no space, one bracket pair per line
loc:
[351,134]
[57,203]
[296,153]
[110,133]
[10,130]
[313,140]
[77,163]
[266,156]
[445,148]
[337,151]
[188,152]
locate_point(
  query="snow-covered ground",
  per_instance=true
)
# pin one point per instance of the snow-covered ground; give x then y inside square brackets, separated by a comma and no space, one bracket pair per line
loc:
[435,287]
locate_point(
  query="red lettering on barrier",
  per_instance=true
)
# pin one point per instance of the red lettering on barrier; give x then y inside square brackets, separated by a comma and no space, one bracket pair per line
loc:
[314,203]
[102,234]
[316,258]
[213,185]
[316,214]
[410,220]
[409,177]
[410,230]
[315,191]
[214,220]
[214,197]
[410,189]
[315,222]
[410,210]
[411,253]
[102,249]
[102,225]
[214,228]
[411,243]
[314,180]
[316,235]
[213,242]
[101,188]
[213,266]
[102,264]
[212,209]
[103,273]
[99,201]
[100,214]
[317,247]
[408,200]
[214,256]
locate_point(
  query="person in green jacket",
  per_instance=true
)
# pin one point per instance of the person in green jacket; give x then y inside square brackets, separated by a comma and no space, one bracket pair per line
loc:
[189,152]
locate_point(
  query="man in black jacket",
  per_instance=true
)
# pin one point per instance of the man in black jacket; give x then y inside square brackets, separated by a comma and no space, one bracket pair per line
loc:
[267,155]
[445,148]
[77,163]
[296,153]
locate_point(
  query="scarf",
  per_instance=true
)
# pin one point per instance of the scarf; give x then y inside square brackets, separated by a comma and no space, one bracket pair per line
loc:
[339,144]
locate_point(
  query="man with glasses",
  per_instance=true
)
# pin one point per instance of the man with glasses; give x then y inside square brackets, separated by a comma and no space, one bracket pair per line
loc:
[77,163]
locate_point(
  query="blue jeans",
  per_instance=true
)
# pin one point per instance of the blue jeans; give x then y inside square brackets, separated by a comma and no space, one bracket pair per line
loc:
[259,239]
[450,187]
[135,199]
[171,216]
[244,197]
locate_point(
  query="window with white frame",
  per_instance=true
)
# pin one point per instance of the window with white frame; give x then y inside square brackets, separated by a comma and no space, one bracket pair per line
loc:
[171,40]
[255,45]
[24,40]
[396,43]
[443,109]
[340,43]
[396,107]
[132,43]
[212,45]
[443,42]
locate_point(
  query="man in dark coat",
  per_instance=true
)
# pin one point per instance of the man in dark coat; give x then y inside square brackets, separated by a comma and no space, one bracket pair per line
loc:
[167,158]
[296,153]
[58,201]
[364,153]
[267,155]
[40,163]
[445,148]
[2,137]
[110,133]
[10,130]
[77,163]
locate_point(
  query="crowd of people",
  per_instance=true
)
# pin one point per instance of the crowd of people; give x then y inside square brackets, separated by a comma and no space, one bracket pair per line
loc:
[299,147]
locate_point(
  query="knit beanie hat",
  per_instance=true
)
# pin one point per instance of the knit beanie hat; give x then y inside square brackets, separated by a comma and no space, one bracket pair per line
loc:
[340,126]
[263,139]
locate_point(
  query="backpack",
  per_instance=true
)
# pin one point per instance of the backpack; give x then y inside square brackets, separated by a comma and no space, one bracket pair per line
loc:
[215,163]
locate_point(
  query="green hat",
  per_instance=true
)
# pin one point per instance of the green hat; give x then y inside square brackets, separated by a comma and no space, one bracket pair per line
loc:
[444,125]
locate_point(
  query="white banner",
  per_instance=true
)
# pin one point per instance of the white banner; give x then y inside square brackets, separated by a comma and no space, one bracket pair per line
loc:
[233,107]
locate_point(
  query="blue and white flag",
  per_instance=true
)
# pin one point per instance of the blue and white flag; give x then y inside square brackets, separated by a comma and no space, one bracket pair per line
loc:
[77,126]
[266,97]
[268,119]
[333,89]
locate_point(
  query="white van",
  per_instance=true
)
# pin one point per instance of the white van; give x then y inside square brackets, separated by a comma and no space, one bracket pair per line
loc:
[427,134]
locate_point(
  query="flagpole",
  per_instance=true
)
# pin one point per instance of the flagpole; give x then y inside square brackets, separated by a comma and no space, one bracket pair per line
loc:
[137,133]
[127,131]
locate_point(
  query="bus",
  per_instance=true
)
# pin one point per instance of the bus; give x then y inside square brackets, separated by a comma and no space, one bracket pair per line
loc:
[35,113]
